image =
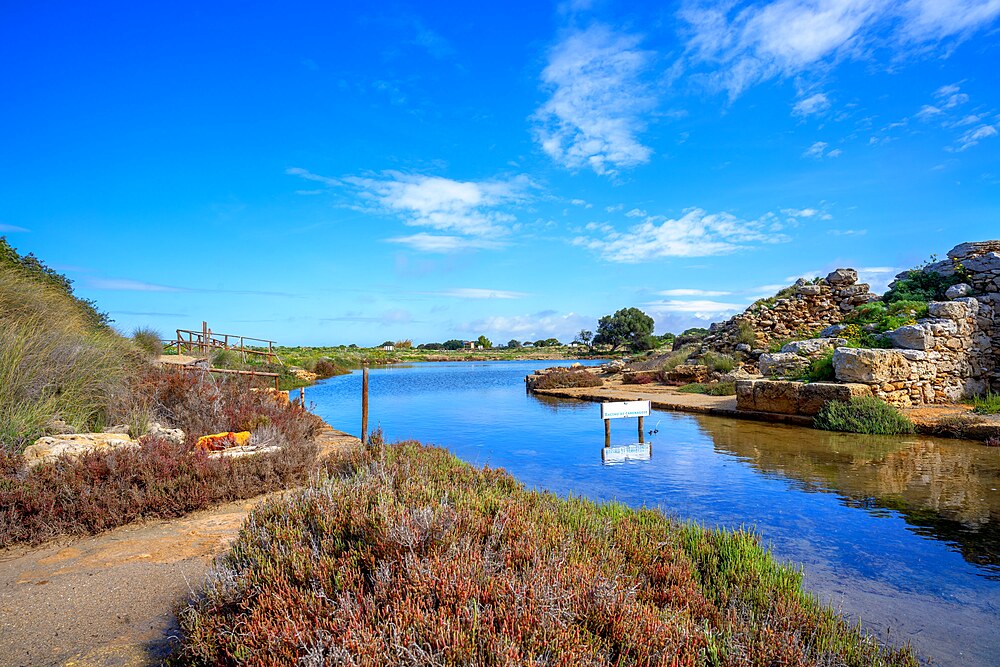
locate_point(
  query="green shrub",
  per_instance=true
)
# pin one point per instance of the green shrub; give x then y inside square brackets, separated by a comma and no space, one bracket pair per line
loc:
[986,404]
[820,369]
[693,388]
[746,335]
[865,414]
[678,357]
[917,285]
[722,363]
[721,389]
[148,341]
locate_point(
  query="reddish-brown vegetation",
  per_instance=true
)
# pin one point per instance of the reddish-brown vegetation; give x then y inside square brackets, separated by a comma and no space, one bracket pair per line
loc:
[560,378]
[413,557]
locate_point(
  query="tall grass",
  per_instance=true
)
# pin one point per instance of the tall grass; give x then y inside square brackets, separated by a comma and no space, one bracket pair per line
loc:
[414,557]
[149,341]
[863,414]
[986,404]
[55,363]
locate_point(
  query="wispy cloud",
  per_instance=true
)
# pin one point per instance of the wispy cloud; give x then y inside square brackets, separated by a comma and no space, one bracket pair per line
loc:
[814,104]
[443,243]
[949,112]
[691,292]
[599,101]
[698,306]
[695,234]
[735,46]
[13,229]
[543,324]
[479,293]
[818,151]
[125,285]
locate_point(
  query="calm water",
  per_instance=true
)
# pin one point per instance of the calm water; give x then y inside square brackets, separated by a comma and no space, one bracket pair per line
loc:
[901,532]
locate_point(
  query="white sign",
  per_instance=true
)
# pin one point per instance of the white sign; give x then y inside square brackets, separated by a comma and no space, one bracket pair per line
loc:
[624,409]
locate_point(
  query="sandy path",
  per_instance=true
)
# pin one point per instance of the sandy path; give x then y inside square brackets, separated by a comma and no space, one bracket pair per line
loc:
[109,599]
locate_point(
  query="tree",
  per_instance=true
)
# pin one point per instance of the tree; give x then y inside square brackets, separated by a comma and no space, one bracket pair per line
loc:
[552,342]
[587,338]
[514,344]
[628,327]
[453,344]
[485,342]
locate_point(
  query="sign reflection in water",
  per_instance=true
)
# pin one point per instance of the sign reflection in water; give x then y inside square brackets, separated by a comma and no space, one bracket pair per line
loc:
[901,532]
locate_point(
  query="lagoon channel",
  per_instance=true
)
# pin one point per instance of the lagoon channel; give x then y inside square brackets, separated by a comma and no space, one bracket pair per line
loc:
[902,533]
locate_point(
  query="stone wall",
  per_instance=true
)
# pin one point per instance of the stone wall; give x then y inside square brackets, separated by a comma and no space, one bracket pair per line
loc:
[810,308]
[952,354]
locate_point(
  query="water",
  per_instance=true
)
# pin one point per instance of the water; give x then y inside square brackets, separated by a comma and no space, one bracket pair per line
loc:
[903,533]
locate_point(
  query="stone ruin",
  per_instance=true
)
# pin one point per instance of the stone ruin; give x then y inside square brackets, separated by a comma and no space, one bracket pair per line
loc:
[810,308]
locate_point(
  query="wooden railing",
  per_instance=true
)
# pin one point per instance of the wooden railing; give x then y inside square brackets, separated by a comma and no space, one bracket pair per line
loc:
[205,341]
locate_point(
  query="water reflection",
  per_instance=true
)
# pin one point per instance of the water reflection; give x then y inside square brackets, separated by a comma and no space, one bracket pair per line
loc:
[944,489]
[625,453]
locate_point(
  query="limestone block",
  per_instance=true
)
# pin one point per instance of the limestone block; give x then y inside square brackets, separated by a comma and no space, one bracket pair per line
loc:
[814,395]
[842,277]
[958,291]
[985,263]
[813,346]
[808,290]
[972,248]
[687,373]
[74,445]
[954,310]
[769,396]
[912,337]
[870,366]
[782,364]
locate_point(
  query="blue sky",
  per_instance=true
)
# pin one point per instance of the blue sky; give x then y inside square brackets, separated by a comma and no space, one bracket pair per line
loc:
[319,173]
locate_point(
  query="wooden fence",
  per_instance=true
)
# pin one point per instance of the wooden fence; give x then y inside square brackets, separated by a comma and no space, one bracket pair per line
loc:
[205,341]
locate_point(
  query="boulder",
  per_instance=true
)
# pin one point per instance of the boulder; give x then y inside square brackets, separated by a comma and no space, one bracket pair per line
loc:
[945,267]
[870,366]
[737,375]
[983,263]
[842,277]
[793,398]
[814,395]
[742,347]
[688,373]
[161,432]
[832,330]
[814,346]
[782,364]
[958,291]
[808,290]
[912,337]
[57,426]
[74,445]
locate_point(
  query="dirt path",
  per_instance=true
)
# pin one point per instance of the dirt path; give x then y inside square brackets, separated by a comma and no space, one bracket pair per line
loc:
[109,599]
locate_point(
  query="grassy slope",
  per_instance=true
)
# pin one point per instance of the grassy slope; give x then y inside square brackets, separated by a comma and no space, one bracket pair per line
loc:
[415,557]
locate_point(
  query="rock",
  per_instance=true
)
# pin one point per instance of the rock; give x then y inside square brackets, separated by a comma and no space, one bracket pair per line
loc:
[958,309]
[121,429]
[74,445]
[842,277]
[743,347]
[982,264]
[793,398]
[912,337]
[57,426]
[161,432]
[808,290]
[870,366]
[958,291]
[576,364]
[737,375]
[973,248]
[240,452]
[756,352]
[782,364]
[944,268]
[688,373]
[814,346]
[832,330]
[814,395]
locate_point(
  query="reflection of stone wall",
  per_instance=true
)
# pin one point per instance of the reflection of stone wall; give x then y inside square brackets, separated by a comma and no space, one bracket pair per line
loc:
[811,308]
[951,355]
[945,486]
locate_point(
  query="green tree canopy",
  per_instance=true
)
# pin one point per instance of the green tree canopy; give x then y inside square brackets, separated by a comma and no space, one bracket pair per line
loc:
[628,327]
[485,342]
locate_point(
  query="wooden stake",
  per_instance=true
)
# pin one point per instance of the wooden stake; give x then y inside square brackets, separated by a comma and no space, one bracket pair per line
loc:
[642,436]
[364,405]
[607,432]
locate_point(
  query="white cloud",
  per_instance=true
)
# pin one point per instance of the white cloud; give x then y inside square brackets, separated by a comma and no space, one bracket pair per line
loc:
[581,202]
[975,135]
[927,112]
[478,293]
[635,213]
[818,151]
[544,324]
[704,306]
[309,176]
[598,103]
[738,46]
[691,292]
[878,277]
[806,213]
[814,104]
[11,228]
[443,243]
[836,152]
[695,234]
[443,204]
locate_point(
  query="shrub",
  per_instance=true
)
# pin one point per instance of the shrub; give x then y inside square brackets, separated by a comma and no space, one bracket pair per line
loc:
[411,556]
[693,388]
[722,389]
[820,369]
[746,335]
[148,341]
[864,414]
[986,404]
[721,363]
[641,377]
[561,378]
[325,368]
[917,285]
[678,357]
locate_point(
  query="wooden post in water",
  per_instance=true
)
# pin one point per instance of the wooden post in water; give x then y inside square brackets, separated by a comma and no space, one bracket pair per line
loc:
[364,405]
[642,436]
[607,432]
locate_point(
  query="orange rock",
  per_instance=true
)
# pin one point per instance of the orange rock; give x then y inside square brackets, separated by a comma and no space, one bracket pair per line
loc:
[219,441]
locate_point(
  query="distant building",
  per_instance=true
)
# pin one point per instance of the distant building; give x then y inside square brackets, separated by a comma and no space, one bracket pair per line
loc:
[472,345]
[388,348]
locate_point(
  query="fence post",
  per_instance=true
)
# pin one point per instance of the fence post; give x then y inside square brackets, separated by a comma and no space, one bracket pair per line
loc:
[364,404]
[607,432]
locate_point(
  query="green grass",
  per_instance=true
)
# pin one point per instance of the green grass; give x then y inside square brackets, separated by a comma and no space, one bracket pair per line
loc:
[410,556]
[865,414]
[693,388]
[819,369]
[986,404]
[711,389]
[721,363]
